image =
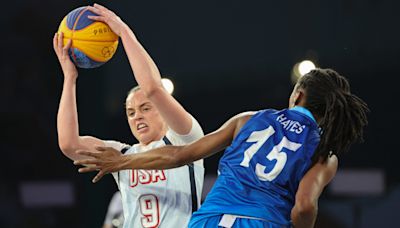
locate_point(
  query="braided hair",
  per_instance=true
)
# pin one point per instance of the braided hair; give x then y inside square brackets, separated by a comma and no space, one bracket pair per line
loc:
[342,115]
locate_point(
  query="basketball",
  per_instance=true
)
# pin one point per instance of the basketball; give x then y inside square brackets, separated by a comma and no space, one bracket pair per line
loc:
[93,42]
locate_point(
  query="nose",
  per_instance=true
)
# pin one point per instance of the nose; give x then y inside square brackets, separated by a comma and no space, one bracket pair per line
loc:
[138,115]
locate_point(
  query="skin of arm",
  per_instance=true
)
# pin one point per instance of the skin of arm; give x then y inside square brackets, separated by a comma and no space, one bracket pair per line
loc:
[146,72]
[304,212]
[67,116]
[109,160]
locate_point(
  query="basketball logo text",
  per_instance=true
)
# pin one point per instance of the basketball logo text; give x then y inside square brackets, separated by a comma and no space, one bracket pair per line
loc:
[101,30]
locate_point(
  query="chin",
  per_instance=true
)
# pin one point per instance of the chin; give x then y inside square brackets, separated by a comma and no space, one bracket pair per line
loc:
[145,140]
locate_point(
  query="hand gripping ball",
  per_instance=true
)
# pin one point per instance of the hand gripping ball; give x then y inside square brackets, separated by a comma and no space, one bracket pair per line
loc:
[93,42]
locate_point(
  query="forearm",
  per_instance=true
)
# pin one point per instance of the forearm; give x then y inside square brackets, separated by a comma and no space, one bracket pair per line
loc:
[67,117]
[160,158]
[304,212]
[145,70]
[167,157]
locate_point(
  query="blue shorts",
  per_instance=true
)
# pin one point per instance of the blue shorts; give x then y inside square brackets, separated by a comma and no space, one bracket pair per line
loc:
[213,221]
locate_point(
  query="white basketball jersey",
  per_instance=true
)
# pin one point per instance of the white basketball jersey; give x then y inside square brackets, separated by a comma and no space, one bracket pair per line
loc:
[159,198]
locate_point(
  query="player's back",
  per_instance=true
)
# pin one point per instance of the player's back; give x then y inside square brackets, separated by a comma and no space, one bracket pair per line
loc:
[260,172]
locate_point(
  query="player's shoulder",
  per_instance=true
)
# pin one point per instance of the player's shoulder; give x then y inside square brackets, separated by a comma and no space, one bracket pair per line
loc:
[247,115]
[240,120]
[244,116]
[195,133]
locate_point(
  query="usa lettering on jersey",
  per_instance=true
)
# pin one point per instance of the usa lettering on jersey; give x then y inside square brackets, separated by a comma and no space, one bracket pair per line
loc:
[146,177]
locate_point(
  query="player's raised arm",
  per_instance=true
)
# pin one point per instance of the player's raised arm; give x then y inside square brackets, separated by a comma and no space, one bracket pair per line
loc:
[67,116]
[108,160]
[146,72]
[304,212]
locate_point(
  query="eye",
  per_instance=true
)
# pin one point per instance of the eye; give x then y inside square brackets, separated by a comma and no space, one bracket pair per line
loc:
[146,108]
[130,114]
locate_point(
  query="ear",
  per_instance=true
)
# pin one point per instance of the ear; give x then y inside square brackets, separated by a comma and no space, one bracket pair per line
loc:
[299,97]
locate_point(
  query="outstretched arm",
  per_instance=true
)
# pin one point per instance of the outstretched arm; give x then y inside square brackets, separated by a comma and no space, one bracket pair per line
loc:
[108,160]
[304,212]
[146,72]
[67,116]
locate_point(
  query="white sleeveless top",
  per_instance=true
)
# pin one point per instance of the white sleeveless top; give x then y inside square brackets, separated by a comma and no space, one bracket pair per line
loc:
[159,198]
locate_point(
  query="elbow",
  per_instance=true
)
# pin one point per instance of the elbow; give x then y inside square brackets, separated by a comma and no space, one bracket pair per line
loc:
[68,148]
[304,213]
[306,207]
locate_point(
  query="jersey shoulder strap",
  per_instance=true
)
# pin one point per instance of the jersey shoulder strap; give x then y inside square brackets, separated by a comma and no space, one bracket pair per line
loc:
[192,180]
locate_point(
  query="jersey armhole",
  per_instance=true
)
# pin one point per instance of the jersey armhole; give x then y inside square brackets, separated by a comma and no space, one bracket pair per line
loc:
[123,151]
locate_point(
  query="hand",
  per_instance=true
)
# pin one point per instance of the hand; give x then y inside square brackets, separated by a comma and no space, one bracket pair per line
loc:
[68,67]
[105,160]
[107,16]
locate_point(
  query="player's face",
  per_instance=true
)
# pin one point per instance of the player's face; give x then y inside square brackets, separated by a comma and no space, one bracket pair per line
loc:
[144,119]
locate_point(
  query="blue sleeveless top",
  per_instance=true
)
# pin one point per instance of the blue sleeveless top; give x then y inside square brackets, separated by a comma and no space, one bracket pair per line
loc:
[260,171]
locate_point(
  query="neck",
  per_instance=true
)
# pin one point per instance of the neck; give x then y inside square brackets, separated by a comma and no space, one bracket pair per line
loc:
[159,137]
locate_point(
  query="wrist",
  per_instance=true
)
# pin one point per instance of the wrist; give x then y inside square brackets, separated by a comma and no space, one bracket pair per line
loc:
[70,78]
[123,162]
[126,32]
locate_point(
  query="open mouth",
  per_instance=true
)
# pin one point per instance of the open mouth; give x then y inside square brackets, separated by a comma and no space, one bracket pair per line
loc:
[141,126]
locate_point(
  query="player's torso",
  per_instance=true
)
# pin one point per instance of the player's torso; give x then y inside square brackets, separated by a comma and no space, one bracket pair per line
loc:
[260,171]
[154,198]
[157,198]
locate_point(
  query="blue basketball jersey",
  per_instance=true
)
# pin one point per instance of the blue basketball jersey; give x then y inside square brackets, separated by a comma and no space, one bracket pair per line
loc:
[260,171]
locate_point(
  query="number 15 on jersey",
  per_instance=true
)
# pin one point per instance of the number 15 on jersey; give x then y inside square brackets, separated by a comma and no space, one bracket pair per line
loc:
[276,153]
